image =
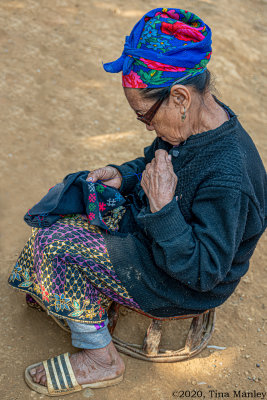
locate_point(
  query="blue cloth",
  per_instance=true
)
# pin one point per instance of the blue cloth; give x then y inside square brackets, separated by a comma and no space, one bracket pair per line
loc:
[164,46]
[75,195]
[86,336]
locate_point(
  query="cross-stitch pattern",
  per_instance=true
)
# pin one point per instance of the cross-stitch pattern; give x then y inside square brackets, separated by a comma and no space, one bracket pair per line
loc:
[75,195]
[68,269]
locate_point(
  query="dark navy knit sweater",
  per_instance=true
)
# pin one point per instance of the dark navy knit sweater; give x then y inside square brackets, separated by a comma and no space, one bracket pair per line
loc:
[190,255]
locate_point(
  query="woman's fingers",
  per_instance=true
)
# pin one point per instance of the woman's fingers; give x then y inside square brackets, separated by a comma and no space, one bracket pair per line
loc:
[93,176]
[105,173]
[162,158]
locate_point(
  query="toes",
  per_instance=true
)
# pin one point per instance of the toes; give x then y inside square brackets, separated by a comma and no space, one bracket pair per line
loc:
[40,368]
[32,371]
[38,373]
[39,376]
[43,380]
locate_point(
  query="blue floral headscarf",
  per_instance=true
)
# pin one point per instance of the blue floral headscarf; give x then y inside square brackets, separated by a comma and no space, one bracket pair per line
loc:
[166,45]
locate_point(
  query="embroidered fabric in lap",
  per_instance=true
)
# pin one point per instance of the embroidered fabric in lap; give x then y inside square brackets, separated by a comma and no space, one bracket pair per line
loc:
[75,195]
[67,268]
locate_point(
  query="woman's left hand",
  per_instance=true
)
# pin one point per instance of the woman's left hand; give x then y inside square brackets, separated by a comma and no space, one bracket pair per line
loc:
[159,181]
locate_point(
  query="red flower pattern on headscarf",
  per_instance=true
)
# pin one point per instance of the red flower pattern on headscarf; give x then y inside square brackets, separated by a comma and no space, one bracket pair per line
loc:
[133,80]
[182,31]
[161,67]
[168,14]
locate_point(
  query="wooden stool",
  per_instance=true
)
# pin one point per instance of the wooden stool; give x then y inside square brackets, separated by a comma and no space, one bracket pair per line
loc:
[200,332]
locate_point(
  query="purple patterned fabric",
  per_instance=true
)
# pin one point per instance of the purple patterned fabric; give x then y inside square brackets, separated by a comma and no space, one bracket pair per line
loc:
[67,267]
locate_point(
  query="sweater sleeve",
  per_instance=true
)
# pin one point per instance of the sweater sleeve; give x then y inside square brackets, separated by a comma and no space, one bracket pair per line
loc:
[131,170]
[199,254]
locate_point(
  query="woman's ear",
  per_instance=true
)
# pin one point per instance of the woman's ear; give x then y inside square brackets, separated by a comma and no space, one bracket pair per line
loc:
[181,97]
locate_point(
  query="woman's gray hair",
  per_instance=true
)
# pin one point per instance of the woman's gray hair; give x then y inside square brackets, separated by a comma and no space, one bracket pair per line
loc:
[201,83]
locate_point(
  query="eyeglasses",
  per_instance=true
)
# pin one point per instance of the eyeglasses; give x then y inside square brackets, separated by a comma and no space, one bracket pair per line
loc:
[150,114]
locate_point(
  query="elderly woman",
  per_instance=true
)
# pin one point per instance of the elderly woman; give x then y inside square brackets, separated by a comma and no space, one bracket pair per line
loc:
[195,209]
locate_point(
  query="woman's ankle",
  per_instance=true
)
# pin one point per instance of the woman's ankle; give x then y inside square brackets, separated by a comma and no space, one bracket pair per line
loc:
[107,355]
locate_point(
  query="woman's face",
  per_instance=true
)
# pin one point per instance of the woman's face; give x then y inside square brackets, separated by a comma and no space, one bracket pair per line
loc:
[167,122]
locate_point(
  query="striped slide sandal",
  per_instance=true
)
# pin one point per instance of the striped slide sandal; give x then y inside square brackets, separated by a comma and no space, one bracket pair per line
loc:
[61,379]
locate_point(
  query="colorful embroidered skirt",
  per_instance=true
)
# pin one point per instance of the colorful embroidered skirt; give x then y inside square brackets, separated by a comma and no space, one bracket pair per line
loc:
[67,268]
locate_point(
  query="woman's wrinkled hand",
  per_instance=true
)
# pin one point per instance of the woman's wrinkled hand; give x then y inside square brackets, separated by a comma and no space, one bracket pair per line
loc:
[159,181]
[110,175]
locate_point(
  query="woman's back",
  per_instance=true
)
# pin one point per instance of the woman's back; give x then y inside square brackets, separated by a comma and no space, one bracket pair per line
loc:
[201,249]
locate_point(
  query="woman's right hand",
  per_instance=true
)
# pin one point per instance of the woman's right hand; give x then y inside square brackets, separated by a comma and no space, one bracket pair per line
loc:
[110,175]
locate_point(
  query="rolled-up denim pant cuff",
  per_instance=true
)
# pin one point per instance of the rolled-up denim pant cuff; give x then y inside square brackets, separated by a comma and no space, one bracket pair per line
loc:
[88,336]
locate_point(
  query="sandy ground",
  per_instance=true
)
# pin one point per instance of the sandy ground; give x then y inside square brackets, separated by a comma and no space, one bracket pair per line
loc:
[60,113]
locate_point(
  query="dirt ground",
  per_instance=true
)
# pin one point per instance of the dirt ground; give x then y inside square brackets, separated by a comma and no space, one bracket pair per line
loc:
[61,113]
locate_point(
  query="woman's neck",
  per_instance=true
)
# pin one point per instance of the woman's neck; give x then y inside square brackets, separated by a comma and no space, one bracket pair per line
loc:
[209,115]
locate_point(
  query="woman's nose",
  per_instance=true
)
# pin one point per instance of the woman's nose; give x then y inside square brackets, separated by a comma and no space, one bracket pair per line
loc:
[149,127]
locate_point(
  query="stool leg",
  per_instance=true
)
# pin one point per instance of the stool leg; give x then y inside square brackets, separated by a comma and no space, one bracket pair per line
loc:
[195,333]
[200,331]
[113,316]
[152,338]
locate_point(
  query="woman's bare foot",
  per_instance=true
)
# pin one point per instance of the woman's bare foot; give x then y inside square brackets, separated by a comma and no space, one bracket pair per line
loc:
[89,366]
